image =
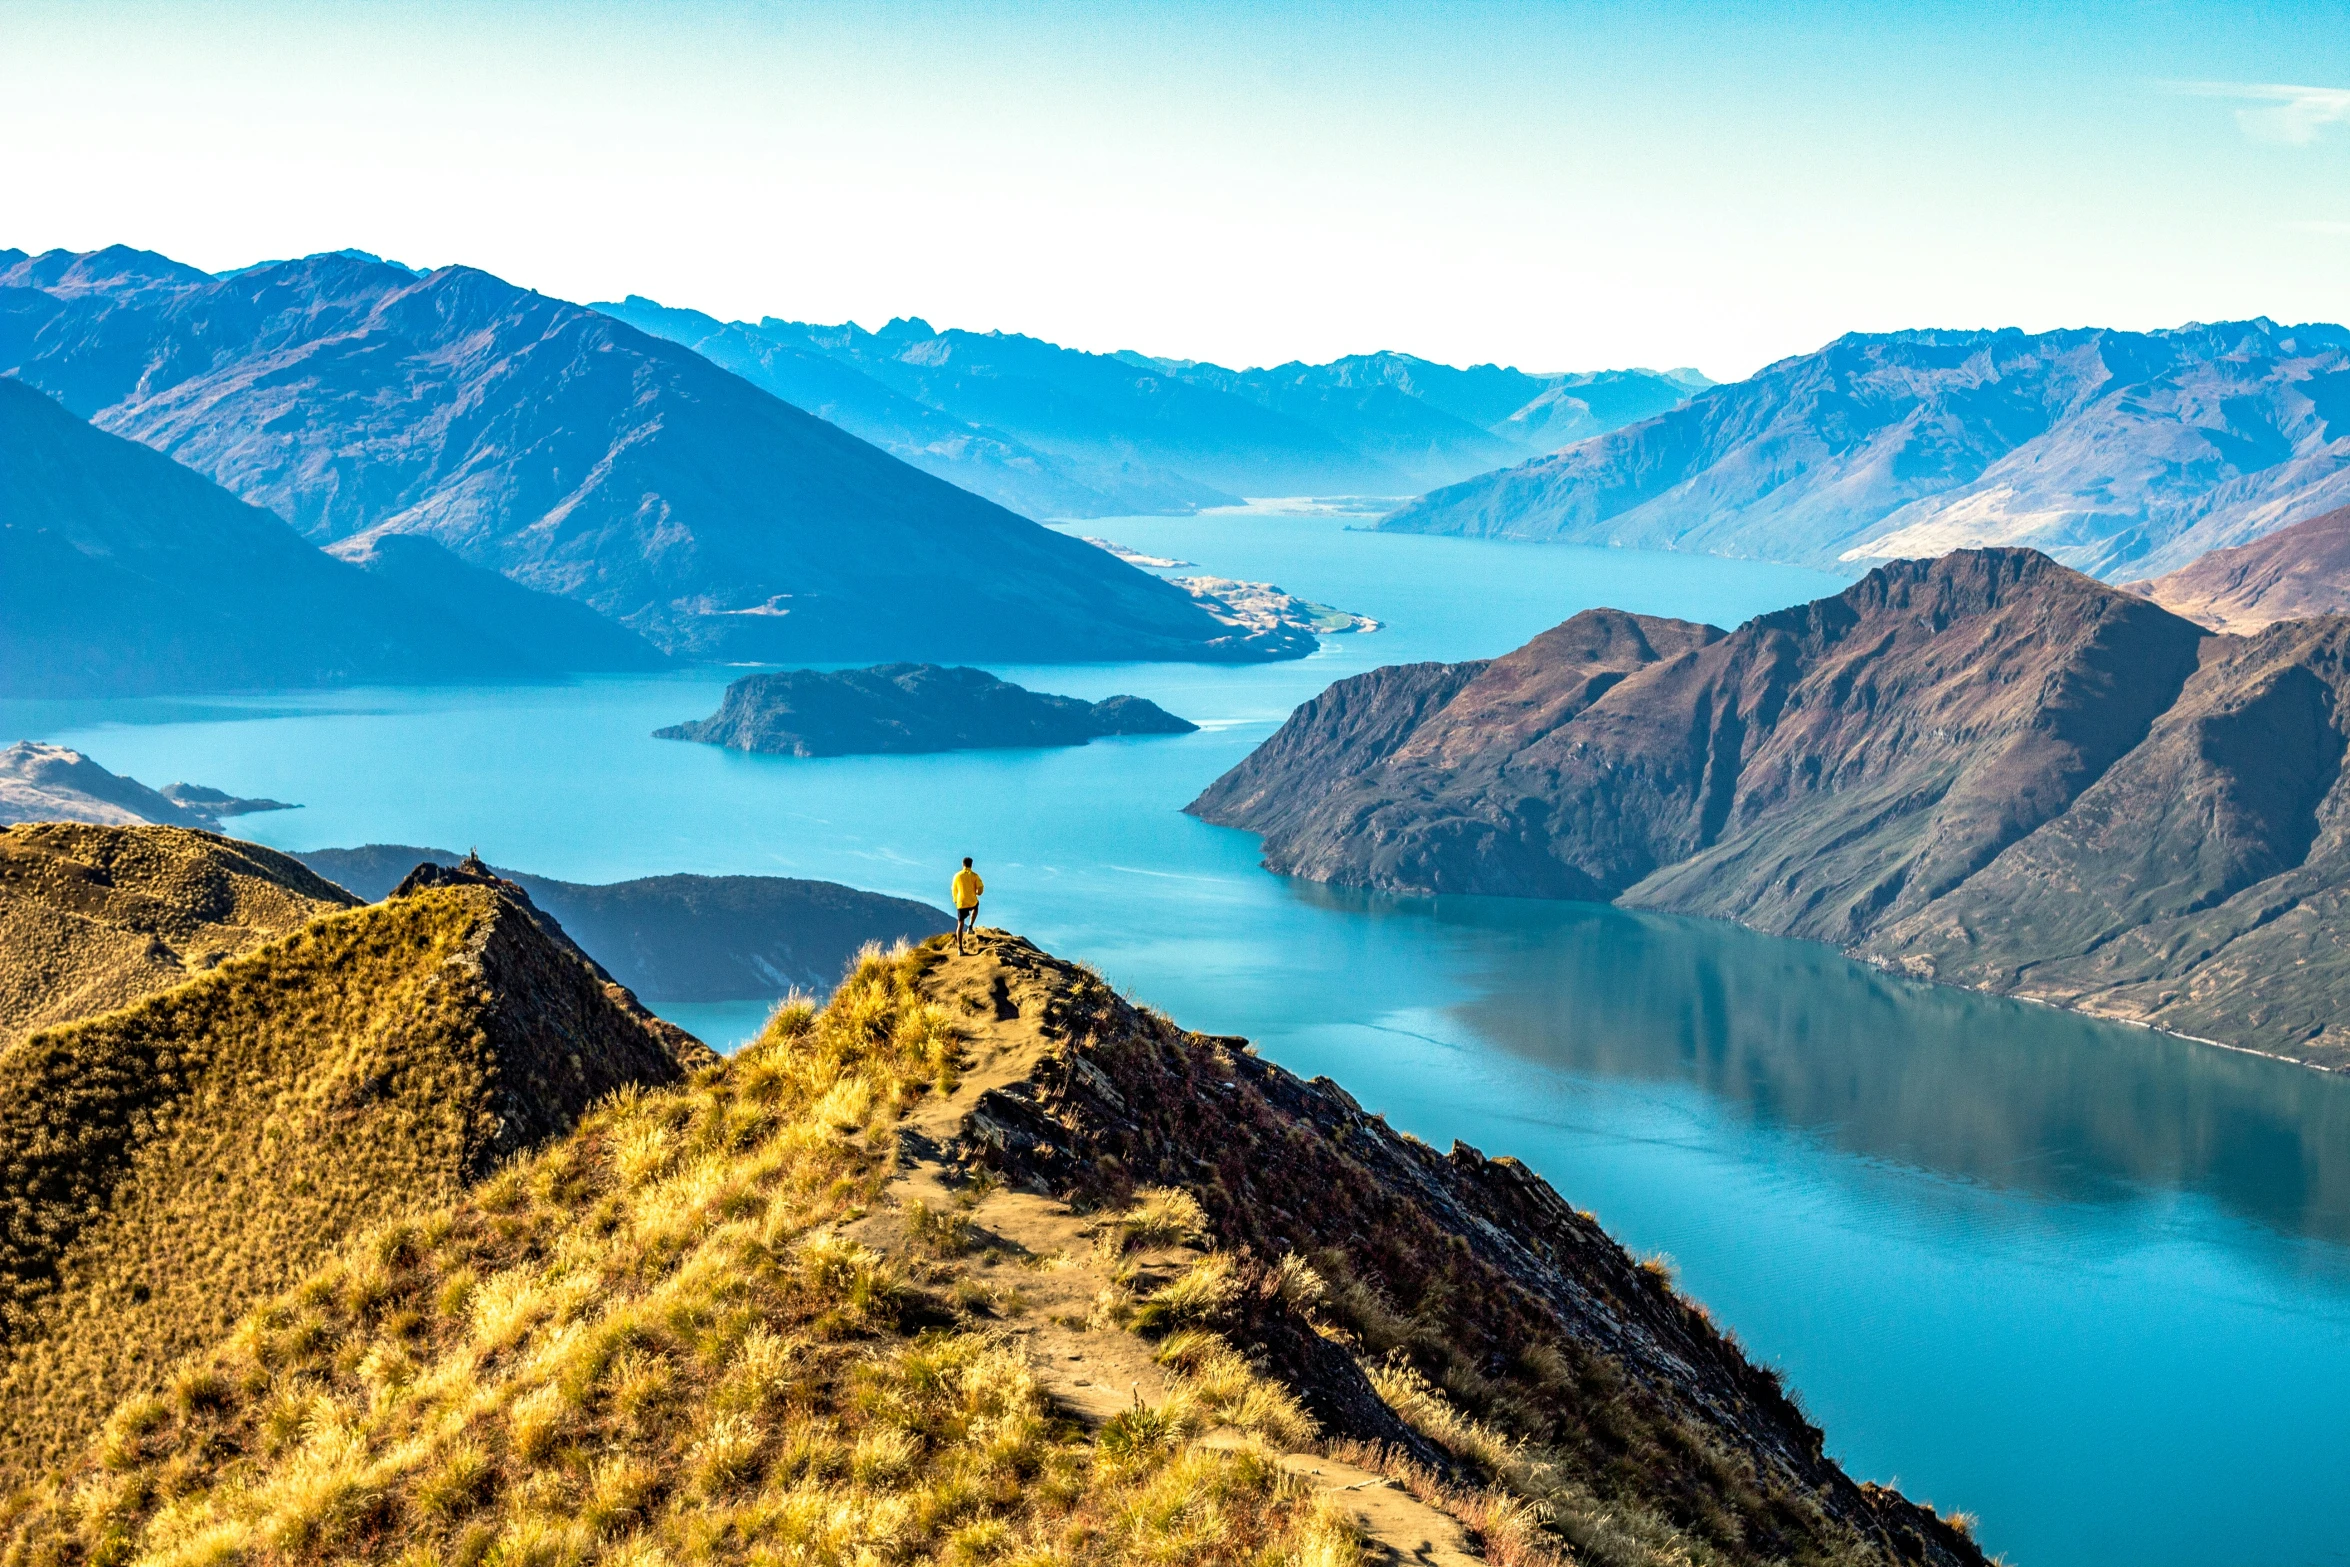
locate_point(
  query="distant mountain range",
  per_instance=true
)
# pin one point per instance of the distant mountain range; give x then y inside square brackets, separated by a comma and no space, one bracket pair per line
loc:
[123,573]
[573,454]
[2118,453]
[1057,432]
[1984,769]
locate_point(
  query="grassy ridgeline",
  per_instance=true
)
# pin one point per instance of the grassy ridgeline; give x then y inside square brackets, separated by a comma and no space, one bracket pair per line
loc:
[716,1324]
[92,918]
[172,1164]
[650,1343]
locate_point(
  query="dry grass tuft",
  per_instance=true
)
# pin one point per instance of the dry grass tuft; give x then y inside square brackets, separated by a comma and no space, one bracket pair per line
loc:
[652,1345]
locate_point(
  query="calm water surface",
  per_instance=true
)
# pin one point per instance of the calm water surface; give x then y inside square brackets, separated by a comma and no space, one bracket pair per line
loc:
[2087,1282]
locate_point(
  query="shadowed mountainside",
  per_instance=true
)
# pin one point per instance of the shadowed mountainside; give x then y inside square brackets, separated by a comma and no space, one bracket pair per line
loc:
[904,708]
[1985,769]
[574,454]
[2115,452]
[685,938]
[2290,574]
[1059,432]
[174,1163]
[837,1297]
[556,632]
[92,918]
[124,574]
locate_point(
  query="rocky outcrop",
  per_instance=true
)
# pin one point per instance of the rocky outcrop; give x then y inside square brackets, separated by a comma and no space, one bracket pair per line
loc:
[1987,769]
[575,455]
[894,709]
[2118,453]
[686,1051]
[2290,574]
[92,918]
[685,938]
[1472,1271]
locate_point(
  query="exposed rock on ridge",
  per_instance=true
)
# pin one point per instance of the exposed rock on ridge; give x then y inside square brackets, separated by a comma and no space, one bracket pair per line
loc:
[1481,1269]
[1986,768]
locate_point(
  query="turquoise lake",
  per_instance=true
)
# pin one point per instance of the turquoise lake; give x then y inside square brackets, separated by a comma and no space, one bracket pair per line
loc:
[2089,1283]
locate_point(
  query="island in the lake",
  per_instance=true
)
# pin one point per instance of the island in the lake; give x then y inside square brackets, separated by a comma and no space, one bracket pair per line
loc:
[899,709]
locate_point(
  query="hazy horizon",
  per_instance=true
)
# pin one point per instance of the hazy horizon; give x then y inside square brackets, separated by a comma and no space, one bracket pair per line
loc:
[1557,187]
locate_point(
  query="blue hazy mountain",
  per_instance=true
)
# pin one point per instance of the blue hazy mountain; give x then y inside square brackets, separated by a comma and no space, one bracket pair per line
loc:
[575,455]
[123,573]
[1062,432]
[2119,453]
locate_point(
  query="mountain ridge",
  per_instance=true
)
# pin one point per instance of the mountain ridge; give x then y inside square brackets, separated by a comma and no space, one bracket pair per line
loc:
[574,454]
[2291,574]
[784,1278]
[363,1064]
[684,937]
[1030,423]
[2112,451]
[1986,769]
[124,573]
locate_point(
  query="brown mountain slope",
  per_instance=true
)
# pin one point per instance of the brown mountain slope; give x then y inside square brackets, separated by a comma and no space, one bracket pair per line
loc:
[1969,767]
[2288,575]
[170,1164]
[834,1302]
[92,918]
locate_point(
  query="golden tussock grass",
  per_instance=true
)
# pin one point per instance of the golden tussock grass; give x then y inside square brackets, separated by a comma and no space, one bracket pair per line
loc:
[173,1164]
[650,1344]
[92,918]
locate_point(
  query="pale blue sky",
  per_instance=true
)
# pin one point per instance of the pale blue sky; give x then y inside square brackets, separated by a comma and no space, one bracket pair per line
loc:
[1558,186]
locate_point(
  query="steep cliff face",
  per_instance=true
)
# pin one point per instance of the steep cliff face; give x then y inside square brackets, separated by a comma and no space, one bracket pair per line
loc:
[172,1163]
[2202,883]
[1987,768]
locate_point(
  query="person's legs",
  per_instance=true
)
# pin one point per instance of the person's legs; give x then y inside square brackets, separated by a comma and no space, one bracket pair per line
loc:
[965,919]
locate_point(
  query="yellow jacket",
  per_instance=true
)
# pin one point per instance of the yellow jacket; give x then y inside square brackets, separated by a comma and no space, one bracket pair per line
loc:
[967,889]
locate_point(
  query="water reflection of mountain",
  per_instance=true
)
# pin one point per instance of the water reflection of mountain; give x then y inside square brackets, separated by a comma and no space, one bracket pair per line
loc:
[1960,1084]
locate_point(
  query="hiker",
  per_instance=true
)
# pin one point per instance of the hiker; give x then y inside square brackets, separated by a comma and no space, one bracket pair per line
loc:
[966,890]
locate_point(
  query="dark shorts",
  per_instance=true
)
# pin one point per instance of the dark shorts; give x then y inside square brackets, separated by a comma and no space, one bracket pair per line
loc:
[971,913]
